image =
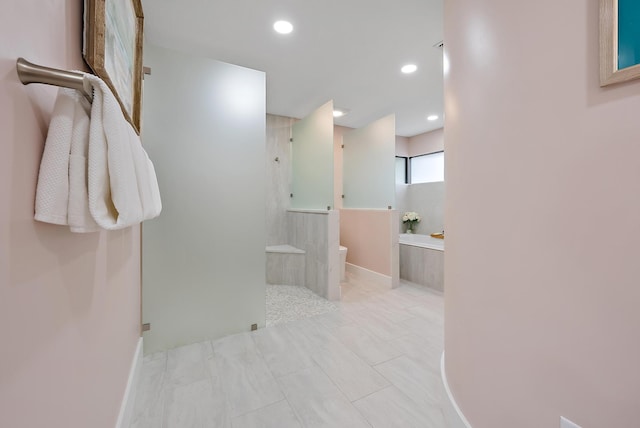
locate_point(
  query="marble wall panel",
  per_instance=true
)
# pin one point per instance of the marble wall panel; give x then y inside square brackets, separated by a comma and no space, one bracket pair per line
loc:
[318,234]
[278,178]
[422,266]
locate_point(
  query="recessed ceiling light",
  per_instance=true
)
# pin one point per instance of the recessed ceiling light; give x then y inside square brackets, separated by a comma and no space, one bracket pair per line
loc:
[432,117]
[283,27]
[339,112]
[409,68]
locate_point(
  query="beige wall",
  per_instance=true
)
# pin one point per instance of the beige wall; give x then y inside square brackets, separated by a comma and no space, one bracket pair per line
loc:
[429,142]
[69,303]
[543,219]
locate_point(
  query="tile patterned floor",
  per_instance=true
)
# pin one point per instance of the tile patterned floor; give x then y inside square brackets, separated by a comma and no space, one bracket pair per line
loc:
[373,362]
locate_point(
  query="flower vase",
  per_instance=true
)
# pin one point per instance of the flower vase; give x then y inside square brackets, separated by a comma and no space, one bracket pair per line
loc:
[409,227]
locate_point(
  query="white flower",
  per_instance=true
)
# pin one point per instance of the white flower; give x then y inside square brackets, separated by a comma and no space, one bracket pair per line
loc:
[411,216]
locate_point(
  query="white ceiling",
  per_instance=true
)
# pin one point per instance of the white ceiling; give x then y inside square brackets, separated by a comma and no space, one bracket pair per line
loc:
[350,51]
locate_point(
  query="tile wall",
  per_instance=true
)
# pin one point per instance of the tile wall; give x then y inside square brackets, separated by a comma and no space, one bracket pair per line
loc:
[278,178]
[422,266]
[427,199]
[286,268]
[315,232]
[318,234]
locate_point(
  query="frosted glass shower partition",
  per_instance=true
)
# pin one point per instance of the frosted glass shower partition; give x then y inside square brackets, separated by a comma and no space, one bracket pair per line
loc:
[312,160]
[369,165]
[203,258]
[368,228]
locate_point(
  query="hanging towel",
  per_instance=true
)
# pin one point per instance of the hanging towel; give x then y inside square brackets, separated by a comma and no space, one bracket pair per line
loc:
[80,220]
[61,191]
[94,173]
[122,184]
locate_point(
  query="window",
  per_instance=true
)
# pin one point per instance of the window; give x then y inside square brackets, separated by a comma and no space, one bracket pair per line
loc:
[401,170]
[427,168]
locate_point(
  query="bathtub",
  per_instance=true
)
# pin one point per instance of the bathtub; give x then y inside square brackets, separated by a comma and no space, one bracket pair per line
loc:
[422,260]
[424,241]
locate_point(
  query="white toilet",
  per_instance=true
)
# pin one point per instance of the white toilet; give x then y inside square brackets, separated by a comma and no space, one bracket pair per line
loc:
[343,262]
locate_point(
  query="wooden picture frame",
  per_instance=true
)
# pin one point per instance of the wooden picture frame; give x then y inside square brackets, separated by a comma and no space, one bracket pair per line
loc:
[113,31]
[610,71]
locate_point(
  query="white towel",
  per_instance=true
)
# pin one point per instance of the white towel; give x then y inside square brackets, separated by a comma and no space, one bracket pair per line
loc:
[94,173]
[61,191]
[122,185]
[80,219]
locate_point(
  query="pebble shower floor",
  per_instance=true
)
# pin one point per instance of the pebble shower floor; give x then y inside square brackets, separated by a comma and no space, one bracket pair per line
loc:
[287,303]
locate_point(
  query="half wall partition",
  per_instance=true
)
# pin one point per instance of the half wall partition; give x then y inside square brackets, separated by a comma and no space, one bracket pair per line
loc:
[368,226]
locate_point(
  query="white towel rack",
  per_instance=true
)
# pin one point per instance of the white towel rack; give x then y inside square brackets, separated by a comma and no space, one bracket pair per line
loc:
[33,73]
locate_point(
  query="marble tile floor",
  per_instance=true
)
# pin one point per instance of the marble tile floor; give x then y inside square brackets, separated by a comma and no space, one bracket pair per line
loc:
[373,362]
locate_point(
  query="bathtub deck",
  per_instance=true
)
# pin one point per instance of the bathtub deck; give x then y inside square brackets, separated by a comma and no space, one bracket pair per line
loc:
[423,241]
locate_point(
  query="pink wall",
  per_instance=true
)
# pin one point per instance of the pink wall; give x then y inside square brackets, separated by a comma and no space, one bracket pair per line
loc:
[402,146]
[368,238]
[69,303]
[542,276]
[429,142]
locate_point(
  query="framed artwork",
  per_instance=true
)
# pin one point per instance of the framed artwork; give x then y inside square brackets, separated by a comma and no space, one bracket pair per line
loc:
[112,47]
[619,41]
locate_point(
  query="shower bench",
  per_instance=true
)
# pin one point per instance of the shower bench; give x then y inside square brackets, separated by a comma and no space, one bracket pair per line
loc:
[285,265]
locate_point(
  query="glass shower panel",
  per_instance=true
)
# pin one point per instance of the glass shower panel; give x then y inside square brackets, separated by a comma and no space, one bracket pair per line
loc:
[369,169]
[203,259]
[312,158]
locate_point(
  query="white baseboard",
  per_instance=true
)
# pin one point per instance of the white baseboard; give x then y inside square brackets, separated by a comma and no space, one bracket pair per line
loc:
[128,400]
[452,414]
[369,275]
